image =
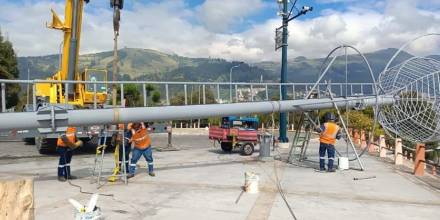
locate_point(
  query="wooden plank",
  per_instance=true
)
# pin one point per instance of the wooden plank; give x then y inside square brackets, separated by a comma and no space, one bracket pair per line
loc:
[17,199]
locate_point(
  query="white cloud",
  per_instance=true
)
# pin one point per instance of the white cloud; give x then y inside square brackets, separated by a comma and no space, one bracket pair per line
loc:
[25,27]
[219,16]
[172,27]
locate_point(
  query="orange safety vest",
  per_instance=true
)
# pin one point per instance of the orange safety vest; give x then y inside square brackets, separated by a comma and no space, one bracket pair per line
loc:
[141,139]
[328,136]
[71,136]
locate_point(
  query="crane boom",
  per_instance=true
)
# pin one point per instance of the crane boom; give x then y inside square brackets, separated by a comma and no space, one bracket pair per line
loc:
[72,35]
[79,94]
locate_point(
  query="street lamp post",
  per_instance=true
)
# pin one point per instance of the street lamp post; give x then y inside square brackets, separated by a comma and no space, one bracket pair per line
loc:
[230,81]
[287,17]
[27,89]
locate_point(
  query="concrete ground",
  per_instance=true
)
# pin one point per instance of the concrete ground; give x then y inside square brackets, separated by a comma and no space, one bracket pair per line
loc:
[200,181]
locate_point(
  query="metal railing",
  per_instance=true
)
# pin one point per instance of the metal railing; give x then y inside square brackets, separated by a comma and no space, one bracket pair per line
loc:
[244,91]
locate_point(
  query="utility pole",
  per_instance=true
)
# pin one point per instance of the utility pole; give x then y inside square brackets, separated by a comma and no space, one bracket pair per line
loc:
[283,121]
[27,89]
[287,17]
[230,80]
[117,5]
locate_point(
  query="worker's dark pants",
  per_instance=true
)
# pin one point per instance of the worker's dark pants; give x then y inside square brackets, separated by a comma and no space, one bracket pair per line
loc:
[323,147]
[127,153]
[64,163]
[136,155]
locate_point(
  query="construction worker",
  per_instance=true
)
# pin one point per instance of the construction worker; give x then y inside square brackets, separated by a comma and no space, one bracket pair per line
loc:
[65,145]
[142,147]
[329,132]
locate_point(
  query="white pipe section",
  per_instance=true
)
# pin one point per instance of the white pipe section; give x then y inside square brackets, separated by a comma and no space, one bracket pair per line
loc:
[29,120]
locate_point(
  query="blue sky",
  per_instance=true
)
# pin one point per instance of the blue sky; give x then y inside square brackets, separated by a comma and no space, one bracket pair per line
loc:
[230,29]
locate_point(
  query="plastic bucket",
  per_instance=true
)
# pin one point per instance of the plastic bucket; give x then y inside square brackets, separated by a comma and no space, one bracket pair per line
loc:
[343,163]
[95,215]
[251,180]
[284,145]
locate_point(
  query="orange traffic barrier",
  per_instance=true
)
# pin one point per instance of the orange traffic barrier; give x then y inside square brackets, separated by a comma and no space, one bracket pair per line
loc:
[398,156]
[382,146]
[356,137]
[372,147]
[363,140]
[419,163]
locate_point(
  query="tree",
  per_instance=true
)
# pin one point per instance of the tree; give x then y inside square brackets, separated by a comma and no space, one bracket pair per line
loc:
[133,96]
[195,97]
[9,70]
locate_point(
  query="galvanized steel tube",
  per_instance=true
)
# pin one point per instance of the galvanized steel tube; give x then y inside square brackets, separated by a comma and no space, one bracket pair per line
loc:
[28,120]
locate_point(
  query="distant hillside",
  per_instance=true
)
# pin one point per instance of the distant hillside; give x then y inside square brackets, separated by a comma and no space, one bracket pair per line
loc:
[302,69]
[145,64]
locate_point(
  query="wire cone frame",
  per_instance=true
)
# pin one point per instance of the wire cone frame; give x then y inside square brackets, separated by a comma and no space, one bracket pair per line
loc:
[415,84]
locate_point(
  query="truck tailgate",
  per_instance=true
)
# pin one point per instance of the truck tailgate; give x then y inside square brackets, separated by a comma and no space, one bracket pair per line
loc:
[217,133]
[247,135]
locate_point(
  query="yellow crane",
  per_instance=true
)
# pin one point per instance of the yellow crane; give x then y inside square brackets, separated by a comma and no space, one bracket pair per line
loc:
[79,94]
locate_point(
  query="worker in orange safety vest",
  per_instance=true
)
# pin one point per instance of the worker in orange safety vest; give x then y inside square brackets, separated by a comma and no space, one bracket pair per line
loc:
[142,147]
[65,145]
[329,133]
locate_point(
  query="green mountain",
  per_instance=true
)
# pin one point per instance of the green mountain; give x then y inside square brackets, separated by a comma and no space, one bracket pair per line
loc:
[301,69]
[145,64]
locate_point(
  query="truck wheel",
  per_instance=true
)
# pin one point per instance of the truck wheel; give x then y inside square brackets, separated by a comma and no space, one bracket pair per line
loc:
[226,146]
[247,149]
[29,141]
[44,145]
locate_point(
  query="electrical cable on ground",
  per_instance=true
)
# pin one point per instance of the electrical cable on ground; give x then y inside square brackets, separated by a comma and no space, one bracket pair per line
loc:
[277,180]
[282,194]
[85,192]
[107,195]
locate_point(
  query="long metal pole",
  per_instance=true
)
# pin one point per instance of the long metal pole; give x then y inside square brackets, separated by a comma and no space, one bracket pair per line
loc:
[115,67]
[283,120]
[29,120]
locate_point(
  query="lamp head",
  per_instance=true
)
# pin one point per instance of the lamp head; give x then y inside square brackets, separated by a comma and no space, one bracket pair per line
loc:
[306,9]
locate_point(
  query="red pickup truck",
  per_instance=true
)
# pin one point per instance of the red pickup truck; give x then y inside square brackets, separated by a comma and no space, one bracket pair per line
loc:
[235,133]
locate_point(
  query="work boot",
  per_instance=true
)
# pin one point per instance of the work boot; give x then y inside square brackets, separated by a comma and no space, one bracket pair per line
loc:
[332,170]
[320,170]
[152,174]
[130,175]
[61,178]
[72,177]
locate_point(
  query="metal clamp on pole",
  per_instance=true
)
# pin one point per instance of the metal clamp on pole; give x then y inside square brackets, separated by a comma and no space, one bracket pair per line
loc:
[52,119]
[360,105]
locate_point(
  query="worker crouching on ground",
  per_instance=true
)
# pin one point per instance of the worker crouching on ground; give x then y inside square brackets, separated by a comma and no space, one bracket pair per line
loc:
[142,147]
[329,132]
[65,145]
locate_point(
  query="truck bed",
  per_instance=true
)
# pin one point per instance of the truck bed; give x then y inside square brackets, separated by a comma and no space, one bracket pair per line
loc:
[225,134]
